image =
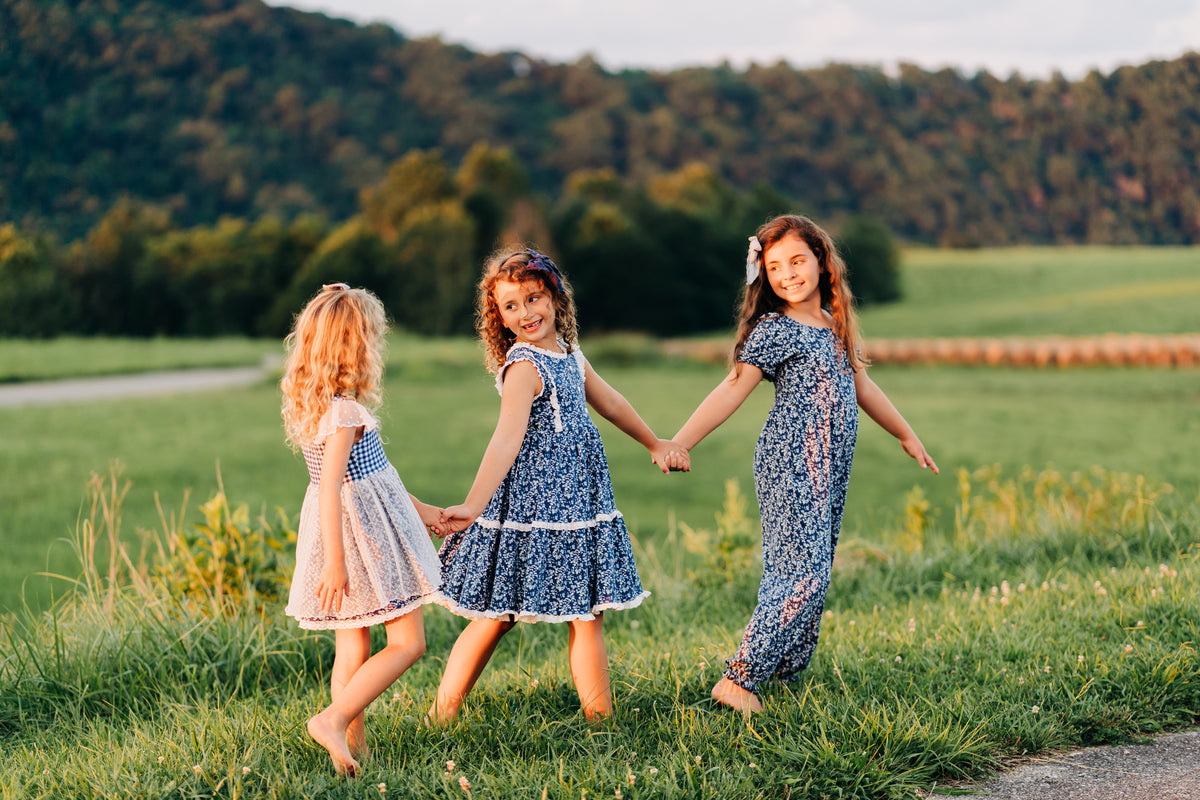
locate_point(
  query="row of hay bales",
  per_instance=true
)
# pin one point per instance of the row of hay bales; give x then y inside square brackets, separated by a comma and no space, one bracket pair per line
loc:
[1125,350]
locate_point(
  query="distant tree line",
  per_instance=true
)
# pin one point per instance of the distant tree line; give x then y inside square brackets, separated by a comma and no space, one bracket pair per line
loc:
[664,258]
[231,108]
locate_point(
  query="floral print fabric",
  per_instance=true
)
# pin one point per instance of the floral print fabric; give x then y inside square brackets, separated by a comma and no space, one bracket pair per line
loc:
[801,471]
[551,545]
[391,563]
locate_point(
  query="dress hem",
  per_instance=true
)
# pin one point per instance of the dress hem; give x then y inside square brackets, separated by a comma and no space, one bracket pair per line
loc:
[371,617]
[521,616]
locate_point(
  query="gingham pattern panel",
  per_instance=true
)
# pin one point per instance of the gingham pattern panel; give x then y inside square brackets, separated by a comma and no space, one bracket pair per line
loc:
[366,458]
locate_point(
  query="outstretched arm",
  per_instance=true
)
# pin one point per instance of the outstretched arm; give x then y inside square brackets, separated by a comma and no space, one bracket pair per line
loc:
[613,406]
[872,400]
[334,583]
[719,405]
[521,385]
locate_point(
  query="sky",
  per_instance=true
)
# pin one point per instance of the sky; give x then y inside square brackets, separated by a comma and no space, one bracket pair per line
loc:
[1032,37]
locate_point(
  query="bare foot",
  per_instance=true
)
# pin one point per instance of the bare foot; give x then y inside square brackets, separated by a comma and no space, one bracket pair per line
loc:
[439,718]
[356,741]
[728,693]
[333,739]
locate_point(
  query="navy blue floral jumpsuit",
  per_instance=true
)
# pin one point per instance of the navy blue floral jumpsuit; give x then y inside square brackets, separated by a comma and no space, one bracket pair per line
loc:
[801,470]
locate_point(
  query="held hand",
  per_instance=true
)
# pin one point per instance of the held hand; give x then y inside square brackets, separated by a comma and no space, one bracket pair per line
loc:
[912,445]
[431,518]
[455,519]
[333,586]
[670,456]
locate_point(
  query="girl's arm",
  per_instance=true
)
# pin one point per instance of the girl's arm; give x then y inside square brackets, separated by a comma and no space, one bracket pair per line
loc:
[613,406]
[521,384]
[719,405]
[872,400]
[334,583]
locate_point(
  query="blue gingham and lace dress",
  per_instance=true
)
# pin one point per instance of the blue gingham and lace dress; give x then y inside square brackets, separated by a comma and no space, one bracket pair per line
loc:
[551,545]
[391,563]
[801,470]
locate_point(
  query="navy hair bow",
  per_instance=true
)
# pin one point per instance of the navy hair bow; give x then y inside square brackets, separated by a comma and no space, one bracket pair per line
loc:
[543,263]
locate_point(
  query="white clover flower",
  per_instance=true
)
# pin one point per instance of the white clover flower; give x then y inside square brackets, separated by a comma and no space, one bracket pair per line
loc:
[395,697]
[245,770]
[450,766]
[753,765]
[898,659]
[1035,709]
[635,624]
[463,783]
[697,759]
[382,788]
[1128,648]
[653,770]
[631,778]
[161,759]
[197,769]
[1046,669]
[1081,658]
[533,684]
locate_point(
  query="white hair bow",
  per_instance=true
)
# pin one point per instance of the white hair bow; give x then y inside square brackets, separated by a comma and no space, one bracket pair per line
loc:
[752,259]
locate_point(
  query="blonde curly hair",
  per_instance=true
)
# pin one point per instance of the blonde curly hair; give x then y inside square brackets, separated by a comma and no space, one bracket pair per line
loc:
[335,348]
[515,266]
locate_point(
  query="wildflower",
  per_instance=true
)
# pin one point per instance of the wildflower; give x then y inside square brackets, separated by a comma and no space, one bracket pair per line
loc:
[912,626]
[45,772]
[450,766]
[161,759]
[463,783]
[245,770]
[1046,669]
[631,778]
[1140,624]
[395,697]
[533,684]
[1004,601]
[654,770]
[851,623]
[635,624]
[1004,588]
[697,759]
[1035,709]
[197,769]
[702,665]
[1020,587]
[898,659]
[1045,585]
[995,590]
[382,788]
[618,795]
[1021,681]
[753,765]
[828,613]
[636,710]
[1081,658]
[1128,648]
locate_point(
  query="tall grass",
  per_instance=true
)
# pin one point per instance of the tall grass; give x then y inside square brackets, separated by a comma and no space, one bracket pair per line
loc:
[1043,610]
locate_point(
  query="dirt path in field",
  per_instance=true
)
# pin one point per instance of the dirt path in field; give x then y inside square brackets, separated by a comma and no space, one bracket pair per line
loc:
[1166,769]
[86,390]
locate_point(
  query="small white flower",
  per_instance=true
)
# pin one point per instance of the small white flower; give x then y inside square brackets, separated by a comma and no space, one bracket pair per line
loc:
[533,684]
[618,795]
[697,759]
[653,770]
[635,624]
[631,778]
[898,659]
[463,783]
[1046,669]
[450,766]
[852,623]
[382,788]
[395,697]
[161,759]
[636,710]
[1035,709]
[245,770]
[1081,658]
[753,765]
[197,769]
[45,772]
[1128,648]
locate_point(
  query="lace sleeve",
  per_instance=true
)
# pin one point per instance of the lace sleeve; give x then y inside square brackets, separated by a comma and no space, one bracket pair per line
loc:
[345,412]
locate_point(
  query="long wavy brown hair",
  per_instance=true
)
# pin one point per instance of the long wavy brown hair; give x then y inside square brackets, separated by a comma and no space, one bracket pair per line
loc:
[335,347]
[759,298]
[510,265]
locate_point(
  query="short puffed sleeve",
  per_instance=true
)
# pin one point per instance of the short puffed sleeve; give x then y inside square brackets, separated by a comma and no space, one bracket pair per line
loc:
[345,412]
[516,354]
[766,347]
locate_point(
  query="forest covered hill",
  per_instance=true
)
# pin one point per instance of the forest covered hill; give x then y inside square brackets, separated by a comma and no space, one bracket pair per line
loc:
[214,108]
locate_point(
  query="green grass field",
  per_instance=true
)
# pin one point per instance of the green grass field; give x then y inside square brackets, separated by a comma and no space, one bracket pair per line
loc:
[79,357]
[975,616]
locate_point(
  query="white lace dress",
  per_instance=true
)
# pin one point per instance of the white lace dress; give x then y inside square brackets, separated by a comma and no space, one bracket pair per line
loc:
[392,565]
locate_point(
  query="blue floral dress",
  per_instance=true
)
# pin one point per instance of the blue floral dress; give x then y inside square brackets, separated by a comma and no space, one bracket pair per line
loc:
[551,545]
[391,564]
[801,470]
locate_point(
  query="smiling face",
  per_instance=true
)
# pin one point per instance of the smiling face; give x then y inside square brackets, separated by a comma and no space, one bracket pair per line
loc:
[794,274]
[527,309]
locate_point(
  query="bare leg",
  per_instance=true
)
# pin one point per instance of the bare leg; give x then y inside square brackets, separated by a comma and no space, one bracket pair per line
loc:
[352,649]
[728,693]
[468,657]
[332,727]
[589,666]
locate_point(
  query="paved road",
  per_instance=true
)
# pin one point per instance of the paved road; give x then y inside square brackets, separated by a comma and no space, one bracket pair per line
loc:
[86,390]
[1166,769]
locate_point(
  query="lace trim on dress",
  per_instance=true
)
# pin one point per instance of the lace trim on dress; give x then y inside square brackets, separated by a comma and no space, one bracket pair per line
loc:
[495,525]
[520,616]
[345,412]
[394,609]
[546,377]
